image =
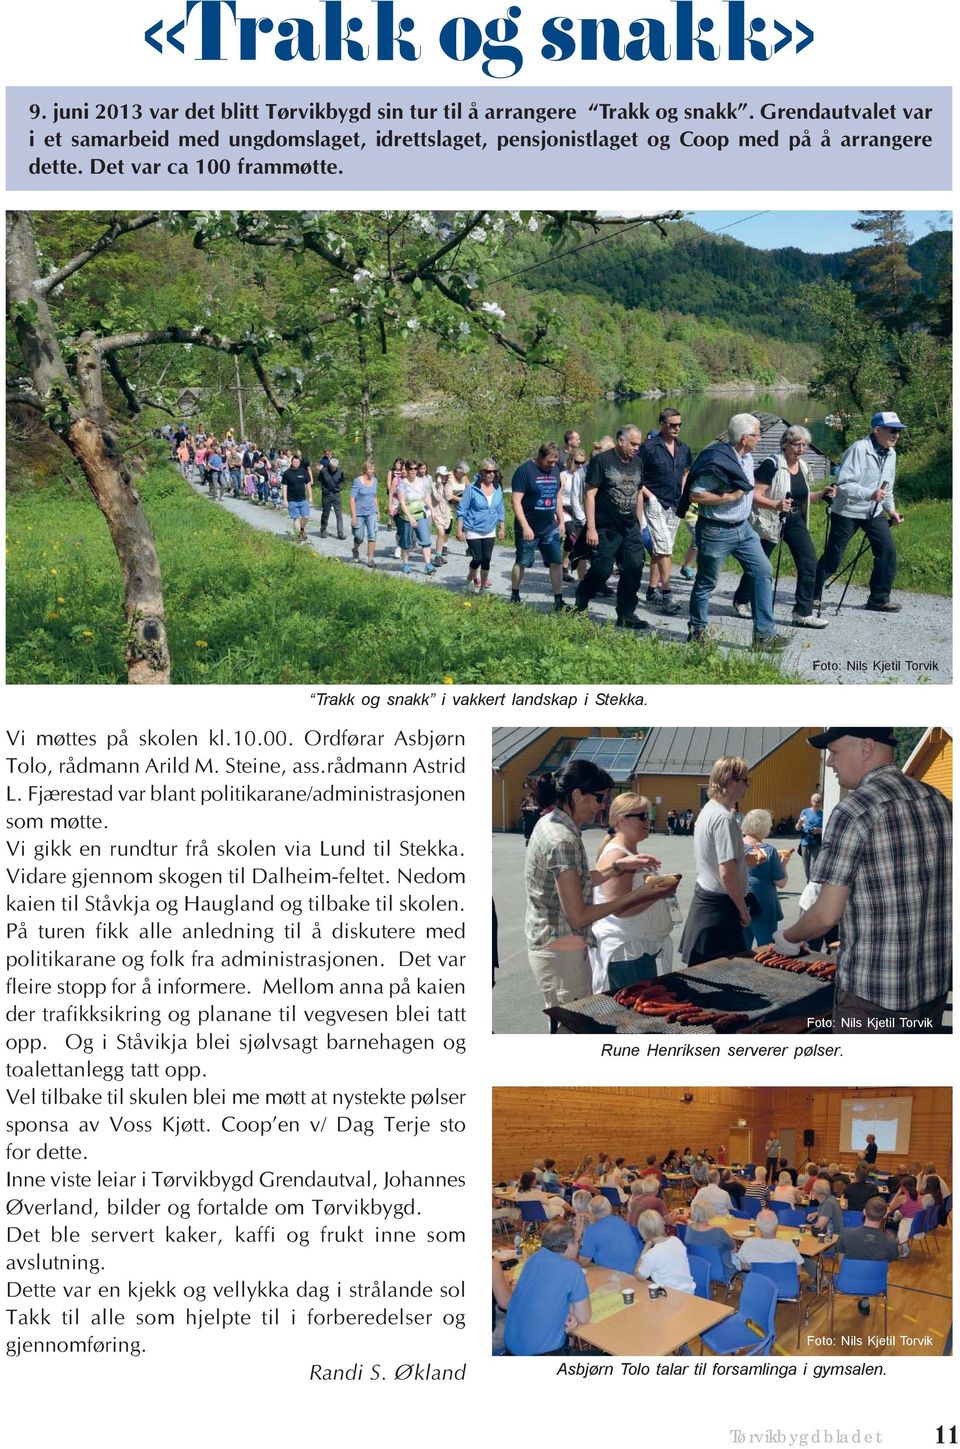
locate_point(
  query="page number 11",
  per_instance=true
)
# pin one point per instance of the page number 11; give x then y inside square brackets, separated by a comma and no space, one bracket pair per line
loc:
[947,1436]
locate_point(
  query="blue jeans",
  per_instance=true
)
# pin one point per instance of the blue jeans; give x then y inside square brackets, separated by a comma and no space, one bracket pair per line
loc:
[715,544]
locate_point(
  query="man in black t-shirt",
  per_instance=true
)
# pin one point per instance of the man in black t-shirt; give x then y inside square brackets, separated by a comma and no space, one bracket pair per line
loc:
[296,492]
[861,1190]
[870,1151]
[665,462]
[613,504]
[871,1243]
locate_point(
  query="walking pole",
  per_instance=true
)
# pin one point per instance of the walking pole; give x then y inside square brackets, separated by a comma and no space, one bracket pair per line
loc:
[852,569]
[776,577]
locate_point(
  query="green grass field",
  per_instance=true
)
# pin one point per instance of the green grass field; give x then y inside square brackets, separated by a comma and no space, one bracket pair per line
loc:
[244,607]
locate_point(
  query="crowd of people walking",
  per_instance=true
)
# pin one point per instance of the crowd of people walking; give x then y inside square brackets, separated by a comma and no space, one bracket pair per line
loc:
[598,516]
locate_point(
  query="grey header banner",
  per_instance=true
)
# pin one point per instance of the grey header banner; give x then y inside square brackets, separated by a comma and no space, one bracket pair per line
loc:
[503,139]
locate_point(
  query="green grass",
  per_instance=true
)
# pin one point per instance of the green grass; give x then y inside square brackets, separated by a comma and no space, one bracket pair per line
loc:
[923,542]
[244,607]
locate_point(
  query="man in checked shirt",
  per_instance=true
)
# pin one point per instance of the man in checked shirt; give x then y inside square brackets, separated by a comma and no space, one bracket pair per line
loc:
[884,871]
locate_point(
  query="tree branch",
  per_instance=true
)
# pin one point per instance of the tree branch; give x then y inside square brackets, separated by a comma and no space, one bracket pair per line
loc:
[117,229]
[196,337]
[135,403]
[25,400]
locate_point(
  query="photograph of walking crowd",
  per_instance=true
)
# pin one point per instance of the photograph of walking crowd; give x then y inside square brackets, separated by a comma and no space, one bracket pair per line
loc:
[662,447]
[810,1222]
[722,880]
[615,512]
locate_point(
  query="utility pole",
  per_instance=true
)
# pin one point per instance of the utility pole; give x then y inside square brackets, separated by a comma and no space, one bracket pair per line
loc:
[243,431]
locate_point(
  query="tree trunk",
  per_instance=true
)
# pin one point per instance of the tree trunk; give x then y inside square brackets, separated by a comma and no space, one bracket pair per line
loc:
[75,411]
[364,390]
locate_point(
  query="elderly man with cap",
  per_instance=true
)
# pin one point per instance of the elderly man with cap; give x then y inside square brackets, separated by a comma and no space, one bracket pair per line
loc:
[884,874]
[864,499]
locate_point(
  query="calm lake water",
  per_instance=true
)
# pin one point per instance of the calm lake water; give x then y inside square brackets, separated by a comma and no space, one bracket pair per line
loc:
[704,417]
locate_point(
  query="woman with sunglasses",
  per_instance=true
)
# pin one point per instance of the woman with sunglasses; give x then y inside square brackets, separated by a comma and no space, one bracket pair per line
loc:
[628,943]
[481,519]
[559,882]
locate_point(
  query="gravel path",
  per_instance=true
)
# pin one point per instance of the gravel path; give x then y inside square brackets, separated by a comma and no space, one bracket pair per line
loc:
[858,647]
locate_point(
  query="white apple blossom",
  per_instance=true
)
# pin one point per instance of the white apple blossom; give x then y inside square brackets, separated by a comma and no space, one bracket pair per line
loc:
[492,309]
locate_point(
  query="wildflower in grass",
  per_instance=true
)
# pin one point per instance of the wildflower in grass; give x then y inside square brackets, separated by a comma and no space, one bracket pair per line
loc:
[86,634]
[53,614]
[54,572]
[61,599]
[467,604]
[202,644]
[448,679]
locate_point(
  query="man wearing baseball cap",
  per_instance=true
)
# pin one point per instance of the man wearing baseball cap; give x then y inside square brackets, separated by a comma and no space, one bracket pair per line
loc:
[884,874]
[864,500]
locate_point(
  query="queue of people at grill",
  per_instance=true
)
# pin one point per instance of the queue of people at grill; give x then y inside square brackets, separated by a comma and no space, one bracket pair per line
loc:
[590,516]
[608,1213]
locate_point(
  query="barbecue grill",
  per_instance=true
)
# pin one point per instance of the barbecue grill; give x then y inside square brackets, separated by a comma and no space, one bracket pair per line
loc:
[730,983]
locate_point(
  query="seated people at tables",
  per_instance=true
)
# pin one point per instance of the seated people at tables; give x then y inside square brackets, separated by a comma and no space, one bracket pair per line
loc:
[933,1193]
[713,1196]
[785,1191]
[733,1187]
[672,1163]
[861,1190]
[583,1174]
[663,1260]
[608,1241]
[700,1172]
[932,1171]
[527,1191]
[869,1243]
[644,1198]
[613,1177]
[826,1214]
[580,1203]
[550,1178]
[758,1188]
[651,1169]
[700,1231]
[551,1297]
[538,1170]
[766,1247]
[686,1159]
[807,1178]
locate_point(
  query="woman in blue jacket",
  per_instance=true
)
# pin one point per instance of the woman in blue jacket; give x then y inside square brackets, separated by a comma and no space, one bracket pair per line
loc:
[481,519]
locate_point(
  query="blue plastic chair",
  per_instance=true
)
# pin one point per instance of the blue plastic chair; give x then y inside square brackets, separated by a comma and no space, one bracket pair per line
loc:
[758,1304]
[749,1172]
[681,1232]
[714,1260]
[860,1279]
[752,1206]
[700,1273]
[613,1198]
[918,1229]
[785,1277]
[852,1219]
[530,1213]
[933,1223]
[793,1218]
[780,1208]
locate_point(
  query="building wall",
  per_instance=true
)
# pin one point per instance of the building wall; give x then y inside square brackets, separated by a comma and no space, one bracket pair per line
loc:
[567,1122]
[508,783]
[934,762]
[782,782]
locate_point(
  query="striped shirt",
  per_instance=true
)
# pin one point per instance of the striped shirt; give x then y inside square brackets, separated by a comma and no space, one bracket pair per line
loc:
[889,844]
[555,845]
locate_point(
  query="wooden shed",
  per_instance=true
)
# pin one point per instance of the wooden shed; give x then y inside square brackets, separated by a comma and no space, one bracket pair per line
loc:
[932,761]
[772,427]
[520,754]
